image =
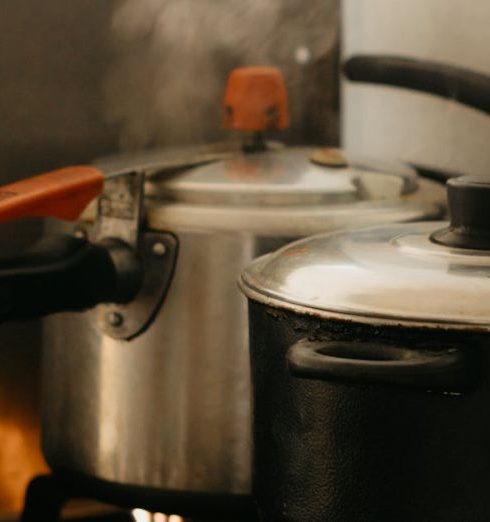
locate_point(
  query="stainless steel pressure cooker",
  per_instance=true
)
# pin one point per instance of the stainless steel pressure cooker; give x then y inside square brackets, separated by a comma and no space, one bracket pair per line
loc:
[146,397]
[168,410]
[371,371]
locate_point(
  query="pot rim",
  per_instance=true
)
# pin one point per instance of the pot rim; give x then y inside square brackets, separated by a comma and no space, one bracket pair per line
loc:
[253,294]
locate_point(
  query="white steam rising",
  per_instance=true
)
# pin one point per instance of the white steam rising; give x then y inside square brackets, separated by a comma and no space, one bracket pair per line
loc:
[172,58]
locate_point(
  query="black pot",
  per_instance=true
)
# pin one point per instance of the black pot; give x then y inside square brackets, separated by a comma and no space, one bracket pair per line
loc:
[329,447]
[370,371]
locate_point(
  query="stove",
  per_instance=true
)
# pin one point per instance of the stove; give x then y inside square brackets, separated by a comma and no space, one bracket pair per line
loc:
[51,498]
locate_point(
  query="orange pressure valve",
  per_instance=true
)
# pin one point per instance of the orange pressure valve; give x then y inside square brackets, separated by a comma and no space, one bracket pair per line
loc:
[256,100]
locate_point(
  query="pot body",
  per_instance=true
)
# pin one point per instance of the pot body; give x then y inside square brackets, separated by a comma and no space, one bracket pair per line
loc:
[346,451]
[169,410]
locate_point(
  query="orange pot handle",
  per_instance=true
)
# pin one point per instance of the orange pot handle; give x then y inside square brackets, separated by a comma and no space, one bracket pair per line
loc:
[62,194]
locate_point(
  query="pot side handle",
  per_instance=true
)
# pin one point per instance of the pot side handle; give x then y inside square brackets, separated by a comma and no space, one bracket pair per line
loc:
[64,273]
[462,85]
[434,173]
[447,369]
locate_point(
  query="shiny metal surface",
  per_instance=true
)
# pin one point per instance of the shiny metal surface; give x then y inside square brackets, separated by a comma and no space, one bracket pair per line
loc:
[282,193]
[285,177]
[153,162]
[299,220]
[120,208]
[170,409]
[394,272]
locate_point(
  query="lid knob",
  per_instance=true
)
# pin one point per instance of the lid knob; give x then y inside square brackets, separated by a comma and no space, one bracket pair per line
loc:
[256,100]
[469,212]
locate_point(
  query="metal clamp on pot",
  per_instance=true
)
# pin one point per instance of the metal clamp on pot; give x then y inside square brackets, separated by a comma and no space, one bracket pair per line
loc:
[118,265]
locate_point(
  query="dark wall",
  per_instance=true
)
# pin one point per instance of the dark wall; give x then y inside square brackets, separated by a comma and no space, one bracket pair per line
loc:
[52,63]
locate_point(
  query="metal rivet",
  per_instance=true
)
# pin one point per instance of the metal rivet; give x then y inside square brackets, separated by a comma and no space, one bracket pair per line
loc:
[80,233]
[115,319]
[159,249]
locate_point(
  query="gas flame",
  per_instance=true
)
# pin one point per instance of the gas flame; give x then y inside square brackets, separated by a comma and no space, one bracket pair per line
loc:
[20,461]
[140,515]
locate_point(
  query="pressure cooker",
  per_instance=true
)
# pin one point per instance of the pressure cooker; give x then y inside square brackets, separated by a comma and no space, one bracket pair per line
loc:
[146,396]
[370,370]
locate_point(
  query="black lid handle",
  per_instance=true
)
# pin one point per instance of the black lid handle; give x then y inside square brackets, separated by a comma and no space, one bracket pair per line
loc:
[469,213]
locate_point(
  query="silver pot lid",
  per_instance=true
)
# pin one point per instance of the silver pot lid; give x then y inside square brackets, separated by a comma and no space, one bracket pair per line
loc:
[286,177]
[168,160]
[287,192]
[407,273]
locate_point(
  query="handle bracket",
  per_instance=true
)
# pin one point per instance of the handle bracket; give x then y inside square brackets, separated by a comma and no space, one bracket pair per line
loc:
[120,209]
[158,255]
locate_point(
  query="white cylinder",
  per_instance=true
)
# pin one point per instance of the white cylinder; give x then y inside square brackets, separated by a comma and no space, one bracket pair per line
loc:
[394,122]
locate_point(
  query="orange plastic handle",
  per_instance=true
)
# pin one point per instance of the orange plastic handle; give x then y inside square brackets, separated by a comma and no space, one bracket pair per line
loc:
[62,193]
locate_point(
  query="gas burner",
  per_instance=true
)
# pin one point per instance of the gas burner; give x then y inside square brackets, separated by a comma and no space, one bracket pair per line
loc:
[49,499]
[54,498]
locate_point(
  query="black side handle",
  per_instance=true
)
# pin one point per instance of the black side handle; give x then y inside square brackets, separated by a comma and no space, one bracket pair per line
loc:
[64,273]
[434,173]
[445,369]
[456,83]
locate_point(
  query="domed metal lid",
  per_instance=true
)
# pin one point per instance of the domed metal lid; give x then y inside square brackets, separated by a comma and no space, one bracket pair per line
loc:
[168,160]
[285,177]
[401,273]
[286,192]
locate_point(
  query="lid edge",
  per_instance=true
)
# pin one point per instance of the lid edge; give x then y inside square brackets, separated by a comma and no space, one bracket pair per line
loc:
[252,293]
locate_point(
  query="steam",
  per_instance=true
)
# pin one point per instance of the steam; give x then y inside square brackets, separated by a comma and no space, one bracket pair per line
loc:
[172,58]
